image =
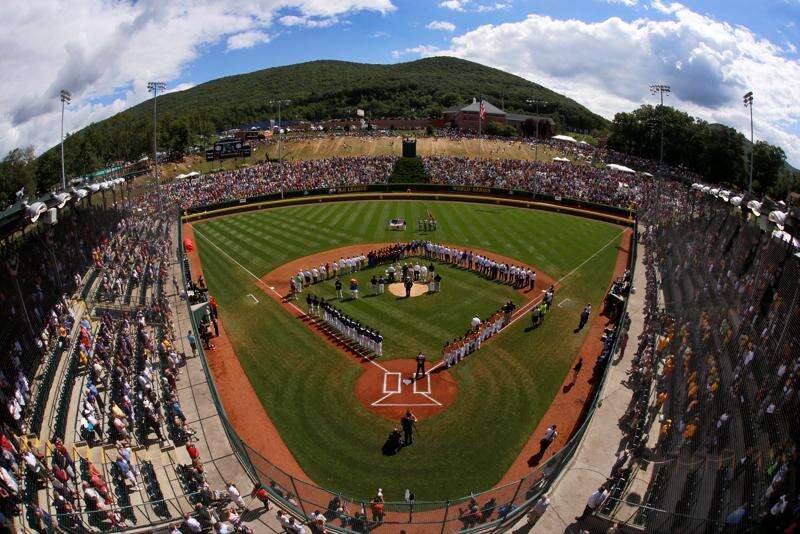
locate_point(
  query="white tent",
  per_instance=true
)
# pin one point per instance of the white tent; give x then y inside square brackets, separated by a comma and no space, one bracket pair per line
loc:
[192,174]
[565,138]
[620,168]
[647,174]
[562,160]
[180,176]
[584,143]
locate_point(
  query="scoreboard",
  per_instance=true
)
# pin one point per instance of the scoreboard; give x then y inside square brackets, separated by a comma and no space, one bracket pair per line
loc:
[228,148]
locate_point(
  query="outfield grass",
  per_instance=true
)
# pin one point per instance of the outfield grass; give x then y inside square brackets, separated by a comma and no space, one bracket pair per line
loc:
[307,386]
[425,322]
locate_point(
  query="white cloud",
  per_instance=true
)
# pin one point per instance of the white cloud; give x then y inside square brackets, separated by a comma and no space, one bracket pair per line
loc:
[308,22]
[628,3]
[497,6]
[379,35]
[105,51]
[421,50]
[247,39]
[441,25]
[708,63]
[455,5]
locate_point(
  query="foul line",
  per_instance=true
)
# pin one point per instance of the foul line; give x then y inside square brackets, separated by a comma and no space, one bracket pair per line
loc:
[525,307]
[263,285]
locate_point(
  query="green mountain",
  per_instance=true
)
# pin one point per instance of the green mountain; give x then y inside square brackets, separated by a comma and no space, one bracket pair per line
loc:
[329,89]
[318,90]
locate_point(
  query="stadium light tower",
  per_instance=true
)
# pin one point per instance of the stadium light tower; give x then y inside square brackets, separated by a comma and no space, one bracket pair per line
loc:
[748,103]
[66,97]
[155,87]
[279,103]
[533,101]
[662,90]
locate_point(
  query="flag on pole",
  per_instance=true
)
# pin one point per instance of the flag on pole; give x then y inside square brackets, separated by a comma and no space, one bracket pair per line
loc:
[482,112]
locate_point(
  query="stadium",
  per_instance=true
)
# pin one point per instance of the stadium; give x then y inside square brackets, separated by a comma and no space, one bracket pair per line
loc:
[421,297]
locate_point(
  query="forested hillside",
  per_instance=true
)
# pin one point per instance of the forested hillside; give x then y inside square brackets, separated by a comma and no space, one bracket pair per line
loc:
[318,90]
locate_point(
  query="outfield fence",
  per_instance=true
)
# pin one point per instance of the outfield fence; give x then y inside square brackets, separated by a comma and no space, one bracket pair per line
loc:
[500,506]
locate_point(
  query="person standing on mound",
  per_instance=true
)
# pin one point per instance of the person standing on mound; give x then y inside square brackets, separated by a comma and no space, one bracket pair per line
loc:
[408,284]
[420,372]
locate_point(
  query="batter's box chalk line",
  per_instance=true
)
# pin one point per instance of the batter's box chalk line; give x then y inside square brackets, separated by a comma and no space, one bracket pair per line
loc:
[421,398]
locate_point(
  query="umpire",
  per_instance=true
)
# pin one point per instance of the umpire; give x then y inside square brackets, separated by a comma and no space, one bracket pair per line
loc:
[407,422]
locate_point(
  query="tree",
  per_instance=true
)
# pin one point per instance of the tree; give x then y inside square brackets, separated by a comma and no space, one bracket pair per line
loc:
[17,171]
[497,128]
[768,162]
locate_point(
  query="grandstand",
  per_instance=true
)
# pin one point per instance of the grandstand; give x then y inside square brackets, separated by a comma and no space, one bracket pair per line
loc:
[113,421]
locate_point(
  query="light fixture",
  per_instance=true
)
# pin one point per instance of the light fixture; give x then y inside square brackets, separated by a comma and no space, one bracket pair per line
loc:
[33,211]
[62,198]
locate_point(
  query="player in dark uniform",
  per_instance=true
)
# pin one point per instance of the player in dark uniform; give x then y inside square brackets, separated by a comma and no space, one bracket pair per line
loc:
[420,372]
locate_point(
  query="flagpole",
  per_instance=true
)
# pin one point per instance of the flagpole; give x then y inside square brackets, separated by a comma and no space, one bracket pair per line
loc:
[480,118]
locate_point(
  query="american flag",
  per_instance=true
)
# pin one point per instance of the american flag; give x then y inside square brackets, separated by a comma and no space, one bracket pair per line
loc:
[482,112]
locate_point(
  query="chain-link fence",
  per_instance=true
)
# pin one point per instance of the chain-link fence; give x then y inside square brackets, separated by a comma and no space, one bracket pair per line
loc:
[713,423]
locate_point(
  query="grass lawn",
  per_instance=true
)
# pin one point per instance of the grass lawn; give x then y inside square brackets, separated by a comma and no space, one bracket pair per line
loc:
[425,322]
[307,386]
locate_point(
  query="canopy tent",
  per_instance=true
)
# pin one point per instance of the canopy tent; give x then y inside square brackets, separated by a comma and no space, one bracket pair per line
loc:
[563,160]
[647,174]
[192,174]
[180,176]
[565,138]
[620,168]
[584,143]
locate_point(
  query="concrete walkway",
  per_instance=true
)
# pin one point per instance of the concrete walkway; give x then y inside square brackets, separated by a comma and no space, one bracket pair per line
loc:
[592,462]
[220,463]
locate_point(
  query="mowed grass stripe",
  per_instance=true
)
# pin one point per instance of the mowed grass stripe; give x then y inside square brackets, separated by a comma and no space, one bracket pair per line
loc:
[505,388]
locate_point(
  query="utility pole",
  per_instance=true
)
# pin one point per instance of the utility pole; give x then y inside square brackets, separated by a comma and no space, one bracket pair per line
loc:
[535,102]
[661,89]
[280,155]
[748,103]
[66,97]
[154,87]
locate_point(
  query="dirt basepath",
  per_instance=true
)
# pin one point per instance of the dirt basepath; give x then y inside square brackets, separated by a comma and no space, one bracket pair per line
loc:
[569,406]
[242,406]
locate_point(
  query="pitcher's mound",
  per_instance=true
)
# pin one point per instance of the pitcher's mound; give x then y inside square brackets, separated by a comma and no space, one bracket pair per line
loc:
[399,290]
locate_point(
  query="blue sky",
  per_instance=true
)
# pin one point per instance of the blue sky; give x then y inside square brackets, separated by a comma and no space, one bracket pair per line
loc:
[602,53]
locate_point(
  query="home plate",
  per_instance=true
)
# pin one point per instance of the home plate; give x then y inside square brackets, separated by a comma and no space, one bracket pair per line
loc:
[272,288]
[407,381]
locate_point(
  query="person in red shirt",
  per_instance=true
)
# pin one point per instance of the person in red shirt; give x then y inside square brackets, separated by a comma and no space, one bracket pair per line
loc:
[260,493]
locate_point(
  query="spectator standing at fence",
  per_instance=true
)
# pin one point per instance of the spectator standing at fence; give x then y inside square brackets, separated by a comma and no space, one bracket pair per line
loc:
[261,493]
[192,341]
[595,500]
[538,509]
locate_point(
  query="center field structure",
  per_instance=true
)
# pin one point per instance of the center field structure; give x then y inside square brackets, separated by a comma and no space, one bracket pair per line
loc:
[307,385]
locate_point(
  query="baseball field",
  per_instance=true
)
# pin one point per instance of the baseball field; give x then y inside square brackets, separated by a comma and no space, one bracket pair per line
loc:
[311,388]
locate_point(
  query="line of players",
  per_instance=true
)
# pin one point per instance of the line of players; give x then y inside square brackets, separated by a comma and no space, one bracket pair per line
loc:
[518,276]
[365,337]
[458,349]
